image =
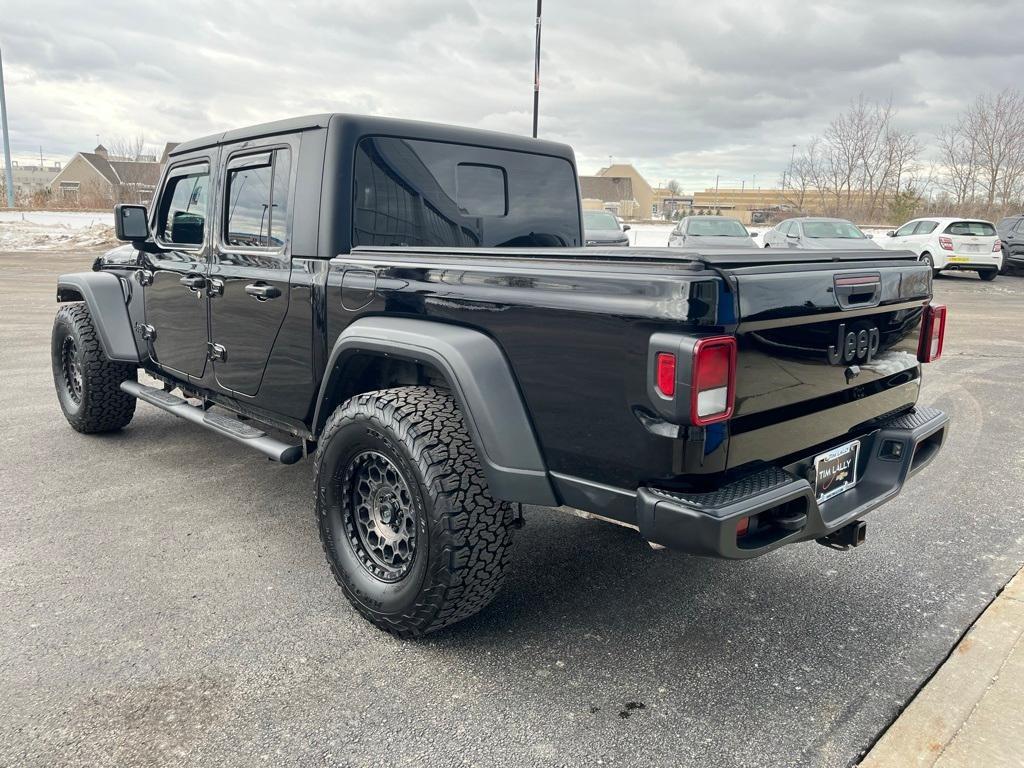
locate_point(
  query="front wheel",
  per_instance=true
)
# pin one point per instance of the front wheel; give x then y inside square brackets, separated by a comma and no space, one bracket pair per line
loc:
[88,384]
[927,259]
[410,530]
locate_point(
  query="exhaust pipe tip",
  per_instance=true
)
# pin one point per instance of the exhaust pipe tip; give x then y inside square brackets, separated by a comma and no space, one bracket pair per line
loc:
[851,535]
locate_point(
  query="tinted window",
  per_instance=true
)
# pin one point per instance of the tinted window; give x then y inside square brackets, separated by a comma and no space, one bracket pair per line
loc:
[1020,226]
[426,193]
[907,229]
[926,227]
[715,228]
[183,206]
[599,220]
[256,200]
[971,228]
[480,190]
[840,230]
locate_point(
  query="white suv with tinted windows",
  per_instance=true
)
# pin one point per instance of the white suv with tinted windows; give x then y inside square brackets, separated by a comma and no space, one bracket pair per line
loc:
[944,243]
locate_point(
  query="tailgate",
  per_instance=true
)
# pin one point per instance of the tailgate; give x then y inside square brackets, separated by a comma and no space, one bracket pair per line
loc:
[824,347]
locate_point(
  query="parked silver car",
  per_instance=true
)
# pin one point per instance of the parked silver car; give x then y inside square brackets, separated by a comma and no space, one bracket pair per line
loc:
[818,233]
[694,231]
[601,228]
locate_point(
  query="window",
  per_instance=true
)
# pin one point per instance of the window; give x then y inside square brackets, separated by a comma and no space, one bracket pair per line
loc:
[69,190]
[1020,226]
[971,229]
[926,227]
[183,206]
[481,190]
[832,230]
[907,229]
[602,220]
[716,228]
[256,200]
[430,193]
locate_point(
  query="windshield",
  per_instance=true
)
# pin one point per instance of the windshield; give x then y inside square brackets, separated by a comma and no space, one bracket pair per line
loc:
[839,230]
[599,220]
[971,228]
[715,228]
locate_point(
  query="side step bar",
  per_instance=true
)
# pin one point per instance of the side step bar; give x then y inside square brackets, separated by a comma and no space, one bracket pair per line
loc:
[247,435]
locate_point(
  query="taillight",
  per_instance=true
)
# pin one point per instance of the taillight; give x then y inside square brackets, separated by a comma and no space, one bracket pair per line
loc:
[666,374]
[933,330]
[712,392]
[946,243]
[997,246]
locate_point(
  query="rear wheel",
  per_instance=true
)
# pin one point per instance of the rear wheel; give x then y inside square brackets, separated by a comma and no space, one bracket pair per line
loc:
[988,275]
[88,384]
[409,528]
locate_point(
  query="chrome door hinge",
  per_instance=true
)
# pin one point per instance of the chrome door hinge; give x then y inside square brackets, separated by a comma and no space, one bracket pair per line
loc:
[144,277]
[214,287]
[146,331]
[216,352]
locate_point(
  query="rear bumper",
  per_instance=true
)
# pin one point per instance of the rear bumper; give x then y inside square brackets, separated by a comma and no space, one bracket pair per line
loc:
[780,501]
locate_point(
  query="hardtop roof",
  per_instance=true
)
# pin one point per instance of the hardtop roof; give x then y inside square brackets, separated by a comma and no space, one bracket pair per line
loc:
[365,124]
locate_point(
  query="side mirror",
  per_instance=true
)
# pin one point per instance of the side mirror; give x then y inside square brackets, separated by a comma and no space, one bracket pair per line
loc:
[793,236]
[869,236]
[625,227]
[751,234]
[131,223]
[891,233]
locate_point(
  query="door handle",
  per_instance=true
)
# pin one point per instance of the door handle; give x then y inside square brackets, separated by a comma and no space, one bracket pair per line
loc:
[193,282]
[262,292]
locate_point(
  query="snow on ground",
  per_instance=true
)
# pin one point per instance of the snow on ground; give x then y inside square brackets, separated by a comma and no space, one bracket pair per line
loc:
[56,230]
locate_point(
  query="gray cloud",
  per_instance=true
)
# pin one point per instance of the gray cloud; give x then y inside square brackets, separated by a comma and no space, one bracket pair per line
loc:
[682,90]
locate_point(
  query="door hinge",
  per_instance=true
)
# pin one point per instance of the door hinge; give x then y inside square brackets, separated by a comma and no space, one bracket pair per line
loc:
[144,277]
[215,287]
[146,331]
[216,351]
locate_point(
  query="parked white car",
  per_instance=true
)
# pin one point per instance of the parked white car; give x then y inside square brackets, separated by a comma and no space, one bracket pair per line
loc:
[945,243]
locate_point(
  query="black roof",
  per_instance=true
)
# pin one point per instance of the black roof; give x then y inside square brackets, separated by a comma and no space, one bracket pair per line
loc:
[384,126]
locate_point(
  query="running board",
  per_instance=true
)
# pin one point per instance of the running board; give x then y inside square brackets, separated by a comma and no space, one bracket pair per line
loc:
[247,435]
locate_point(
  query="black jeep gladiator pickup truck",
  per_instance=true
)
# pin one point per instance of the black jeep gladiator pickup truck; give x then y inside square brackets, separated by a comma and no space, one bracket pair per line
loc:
[411,305]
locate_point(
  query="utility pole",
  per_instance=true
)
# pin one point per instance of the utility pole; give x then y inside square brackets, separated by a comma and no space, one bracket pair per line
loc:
[792,158]
[7,137]
[536,75]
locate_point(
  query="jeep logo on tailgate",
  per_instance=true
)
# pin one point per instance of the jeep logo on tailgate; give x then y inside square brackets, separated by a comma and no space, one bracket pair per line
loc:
[854,346]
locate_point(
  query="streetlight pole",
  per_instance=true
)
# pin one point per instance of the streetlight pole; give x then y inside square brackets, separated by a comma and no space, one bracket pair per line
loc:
[7,138]
[536,74]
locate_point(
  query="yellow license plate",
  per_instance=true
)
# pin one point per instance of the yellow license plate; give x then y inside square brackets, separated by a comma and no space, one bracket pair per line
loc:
[958,258]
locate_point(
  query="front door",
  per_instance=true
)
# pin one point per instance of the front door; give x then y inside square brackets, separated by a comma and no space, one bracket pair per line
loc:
[251,262]
[176,301]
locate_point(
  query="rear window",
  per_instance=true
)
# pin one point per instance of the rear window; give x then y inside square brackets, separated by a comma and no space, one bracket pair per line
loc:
[971,229]
[715,228]
[839,230]
[409,192]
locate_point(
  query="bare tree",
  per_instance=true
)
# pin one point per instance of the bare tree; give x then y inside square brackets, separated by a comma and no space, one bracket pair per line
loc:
[674,187]
[134,161]
[982,153]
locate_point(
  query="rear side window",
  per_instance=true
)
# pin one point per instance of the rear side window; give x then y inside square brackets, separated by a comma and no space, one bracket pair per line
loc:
[426,193]
[971,228]
[183,207]
[256,200]
[926,227]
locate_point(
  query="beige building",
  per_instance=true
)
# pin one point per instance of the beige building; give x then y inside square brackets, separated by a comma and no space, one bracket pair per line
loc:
[621,189]
[28,179]
[99,178]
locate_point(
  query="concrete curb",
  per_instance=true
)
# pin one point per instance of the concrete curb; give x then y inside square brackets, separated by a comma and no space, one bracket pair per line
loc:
[971,713]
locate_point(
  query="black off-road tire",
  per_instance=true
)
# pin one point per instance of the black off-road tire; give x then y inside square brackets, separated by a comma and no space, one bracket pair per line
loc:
[463,536]
[88,384]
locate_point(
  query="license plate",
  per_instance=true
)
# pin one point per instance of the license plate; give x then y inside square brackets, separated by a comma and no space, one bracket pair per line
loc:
[972,248]
[836,471]
[959,259]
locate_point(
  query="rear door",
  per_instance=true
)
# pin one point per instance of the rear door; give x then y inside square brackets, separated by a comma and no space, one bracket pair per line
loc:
[175,299]
[251,259]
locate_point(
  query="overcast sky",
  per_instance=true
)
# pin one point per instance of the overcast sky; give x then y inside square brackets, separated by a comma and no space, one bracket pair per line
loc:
[683,90]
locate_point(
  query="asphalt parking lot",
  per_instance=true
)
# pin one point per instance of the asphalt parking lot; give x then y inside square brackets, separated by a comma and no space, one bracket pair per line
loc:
[165,599]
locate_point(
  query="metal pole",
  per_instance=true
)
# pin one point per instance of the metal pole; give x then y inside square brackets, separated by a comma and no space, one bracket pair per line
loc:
[7,137]
[536,75]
